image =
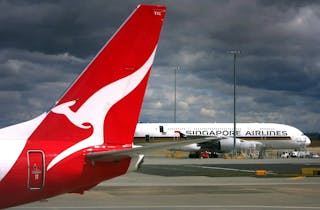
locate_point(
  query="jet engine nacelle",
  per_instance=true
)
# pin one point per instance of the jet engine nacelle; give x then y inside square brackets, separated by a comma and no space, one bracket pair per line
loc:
[226,145]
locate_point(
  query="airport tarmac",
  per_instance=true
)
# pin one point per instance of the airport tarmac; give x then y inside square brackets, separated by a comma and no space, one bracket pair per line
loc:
[184,185]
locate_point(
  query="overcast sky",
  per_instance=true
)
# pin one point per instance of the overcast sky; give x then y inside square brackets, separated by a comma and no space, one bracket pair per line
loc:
[44,45]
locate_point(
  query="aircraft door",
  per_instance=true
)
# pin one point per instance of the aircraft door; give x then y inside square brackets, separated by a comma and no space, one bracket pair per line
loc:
[36,169]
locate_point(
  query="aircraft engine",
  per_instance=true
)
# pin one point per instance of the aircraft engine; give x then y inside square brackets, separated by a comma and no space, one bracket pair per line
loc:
[226,145]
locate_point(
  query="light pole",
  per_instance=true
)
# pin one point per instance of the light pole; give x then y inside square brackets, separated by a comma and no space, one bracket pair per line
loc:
[175,94]
[234,52]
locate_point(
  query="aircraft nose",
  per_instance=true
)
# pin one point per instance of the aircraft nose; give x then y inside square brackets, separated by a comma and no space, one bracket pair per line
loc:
[307,141]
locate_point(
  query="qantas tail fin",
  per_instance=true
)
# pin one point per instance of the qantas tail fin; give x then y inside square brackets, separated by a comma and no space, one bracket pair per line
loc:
[103,105]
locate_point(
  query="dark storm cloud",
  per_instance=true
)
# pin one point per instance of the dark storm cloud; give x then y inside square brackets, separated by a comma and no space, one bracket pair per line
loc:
[60,26]
[274,33]
[31,82]
[45,44]
[22,70]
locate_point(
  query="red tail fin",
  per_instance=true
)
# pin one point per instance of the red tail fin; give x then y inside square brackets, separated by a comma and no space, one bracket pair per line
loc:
[103,105]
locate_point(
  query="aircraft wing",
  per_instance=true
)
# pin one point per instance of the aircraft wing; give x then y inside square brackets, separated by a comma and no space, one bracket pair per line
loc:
[119,154]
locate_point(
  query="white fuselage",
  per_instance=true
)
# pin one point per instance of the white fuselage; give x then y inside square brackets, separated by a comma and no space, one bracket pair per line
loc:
[271,135]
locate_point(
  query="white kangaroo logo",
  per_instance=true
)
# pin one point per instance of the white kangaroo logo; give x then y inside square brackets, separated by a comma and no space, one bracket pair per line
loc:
[94,110]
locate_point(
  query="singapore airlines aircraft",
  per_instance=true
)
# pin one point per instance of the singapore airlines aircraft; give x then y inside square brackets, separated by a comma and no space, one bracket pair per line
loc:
[81,141]
[249,135]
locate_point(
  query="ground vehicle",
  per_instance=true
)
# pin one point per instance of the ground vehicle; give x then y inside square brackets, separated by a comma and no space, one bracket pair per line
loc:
[285,155]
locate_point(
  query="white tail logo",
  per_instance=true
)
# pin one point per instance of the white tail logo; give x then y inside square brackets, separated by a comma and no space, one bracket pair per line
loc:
[94,110]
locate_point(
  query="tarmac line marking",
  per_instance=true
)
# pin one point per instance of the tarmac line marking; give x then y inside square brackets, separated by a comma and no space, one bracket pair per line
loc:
[174,207]
[296,178]
[226,169]
[230,169]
